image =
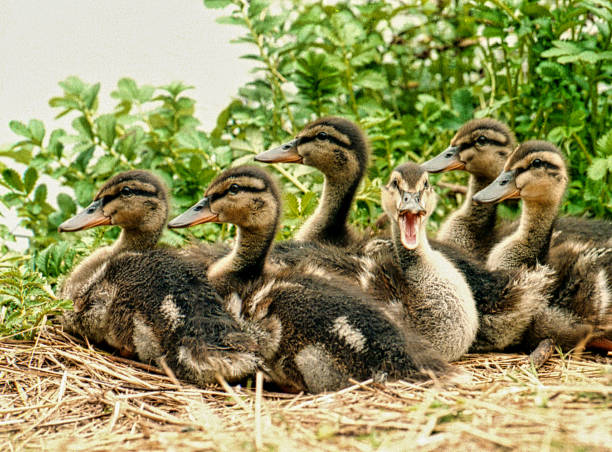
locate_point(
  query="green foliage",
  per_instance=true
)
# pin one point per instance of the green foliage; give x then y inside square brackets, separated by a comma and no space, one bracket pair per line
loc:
[409,73]
[25,298]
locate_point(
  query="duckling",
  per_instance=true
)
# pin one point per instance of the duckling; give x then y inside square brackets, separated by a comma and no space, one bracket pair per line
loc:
[481,147]
[536,172]
[339,149]
[146,301]
[430,294]
[320,333]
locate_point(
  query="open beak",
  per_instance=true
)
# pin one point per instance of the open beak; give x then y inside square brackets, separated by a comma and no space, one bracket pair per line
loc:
[411,214]
[447,160]
[286,153]
[504,187]
[92,216]
[198,214]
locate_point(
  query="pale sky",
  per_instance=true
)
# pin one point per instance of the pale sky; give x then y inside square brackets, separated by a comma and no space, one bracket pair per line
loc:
[152,41]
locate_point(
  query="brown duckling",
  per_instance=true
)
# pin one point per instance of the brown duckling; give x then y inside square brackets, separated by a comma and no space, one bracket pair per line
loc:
[339,149]
[146,301]
[481,147]
[320,334]
[536,172]
[429,292]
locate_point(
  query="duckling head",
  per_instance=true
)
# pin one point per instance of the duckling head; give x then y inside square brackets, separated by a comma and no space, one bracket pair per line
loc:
[480,147]
[244,195]
[535,171]
[134,200]
[335,146]
[408,199]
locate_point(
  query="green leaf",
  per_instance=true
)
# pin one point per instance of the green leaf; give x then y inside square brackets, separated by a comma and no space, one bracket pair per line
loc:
[29,179]
[82,126]
[84,192]
[37,130]
[12,179]
[66,204]
[216,4]
[463,103]
[21,155]
[106,129]
[20,129]
[372,80]
[40,194]
[105,165]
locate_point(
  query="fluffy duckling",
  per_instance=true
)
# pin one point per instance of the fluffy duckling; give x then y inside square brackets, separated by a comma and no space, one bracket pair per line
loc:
[536,173]
[145,301]
[481,147]
[339,149]
[421,284]
[319,334]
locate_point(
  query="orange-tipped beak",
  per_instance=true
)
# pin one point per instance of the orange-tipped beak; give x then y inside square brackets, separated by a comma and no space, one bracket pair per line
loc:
[287,153]
[504,187]
[447,160]
[198,214]
[91,217]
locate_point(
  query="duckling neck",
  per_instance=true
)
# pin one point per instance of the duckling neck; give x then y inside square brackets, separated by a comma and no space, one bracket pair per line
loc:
[466,226]
[329,222]
[535,229]
[529,244]
[245,263]
[409,258]
[136,240]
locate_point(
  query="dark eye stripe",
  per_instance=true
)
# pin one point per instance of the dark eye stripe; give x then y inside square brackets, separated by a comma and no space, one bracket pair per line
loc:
[135,192]
[544,164]
[331,139]
[242,188]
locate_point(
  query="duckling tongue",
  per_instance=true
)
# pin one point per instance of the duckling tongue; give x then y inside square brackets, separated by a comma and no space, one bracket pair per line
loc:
[409,227]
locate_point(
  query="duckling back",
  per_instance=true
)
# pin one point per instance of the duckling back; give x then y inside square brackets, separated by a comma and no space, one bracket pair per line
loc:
[323,335]
[155,306]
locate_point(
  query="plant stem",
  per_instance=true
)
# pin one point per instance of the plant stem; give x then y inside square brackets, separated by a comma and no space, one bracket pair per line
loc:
[582,147]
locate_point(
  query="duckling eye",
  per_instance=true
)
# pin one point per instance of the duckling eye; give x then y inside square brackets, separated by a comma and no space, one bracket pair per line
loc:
[394,184]
[321,135]
[482,140]
[537,163]
[234,189]
[126,191]
[426,184]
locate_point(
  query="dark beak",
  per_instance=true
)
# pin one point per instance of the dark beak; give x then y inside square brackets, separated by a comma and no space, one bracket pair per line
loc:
[286,153]
[410,204]
[447,160]
[504,187]
[92,216]
[198,214]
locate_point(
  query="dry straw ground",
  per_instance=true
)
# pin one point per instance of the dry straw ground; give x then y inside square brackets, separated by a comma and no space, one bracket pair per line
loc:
[57,393]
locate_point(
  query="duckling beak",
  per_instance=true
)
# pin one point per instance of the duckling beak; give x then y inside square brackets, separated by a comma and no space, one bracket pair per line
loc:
[504,187]
[411,214]
[286,153]
[447,160]
[198,214]
[92,216]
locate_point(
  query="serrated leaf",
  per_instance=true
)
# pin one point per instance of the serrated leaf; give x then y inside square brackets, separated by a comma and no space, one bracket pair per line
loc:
[66,204]
[20,129]
[106,125]
[105,165]
[84,192]
[22,155]
[463,103]
[598,169]
[29,179]
[40,194]
[372,80]
[12,179]
[82,126]
[37,130]
[72,85]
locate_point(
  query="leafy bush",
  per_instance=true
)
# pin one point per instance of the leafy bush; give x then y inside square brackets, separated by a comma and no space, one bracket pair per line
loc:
[410,74]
